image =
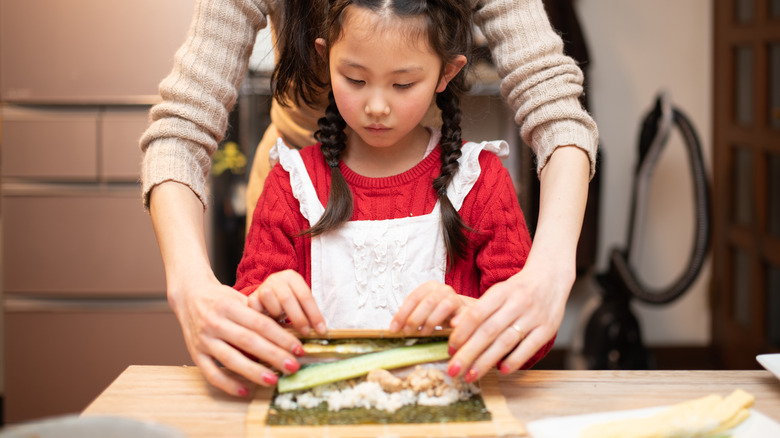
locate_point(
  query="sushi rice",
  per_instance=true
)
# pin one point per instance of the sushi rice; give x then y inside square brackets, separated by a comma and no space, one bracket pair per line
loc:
[360,393]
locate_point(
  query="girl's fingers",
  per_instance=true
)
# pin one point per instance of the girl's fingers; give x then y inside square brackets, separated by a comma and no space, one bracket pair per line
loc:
[434,311]
[266,295]
[424,309]
[411,302]
[443,311]
[307,304]
[254,302]
[286,293]
[291,307]
[281,303]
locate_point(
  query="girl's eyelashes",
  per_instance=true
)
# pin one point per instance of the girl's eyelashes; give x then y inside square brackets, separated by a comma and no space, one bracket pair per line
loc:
[358,82]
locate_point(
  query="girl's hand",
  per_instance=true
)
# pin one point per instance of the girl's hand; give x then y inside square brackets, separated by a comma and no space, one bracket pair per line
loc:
[285,294]
[425,308]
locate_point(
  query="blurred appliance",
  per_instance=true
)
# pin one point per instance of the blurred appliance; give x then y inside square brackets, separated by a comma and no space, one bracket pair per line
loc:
[612,338]
[83,286]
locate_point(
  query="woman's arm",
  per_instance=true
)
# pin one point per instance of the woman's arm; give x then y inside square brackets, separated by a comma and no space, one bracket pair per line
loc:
[177,147]
[199,93]
[542,86]
[215,319]
[534,299]
[538,81]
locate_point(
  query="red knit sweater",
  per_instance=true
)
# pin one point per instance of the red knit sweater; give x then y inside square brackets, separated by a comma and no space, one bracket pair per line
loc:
[498,248]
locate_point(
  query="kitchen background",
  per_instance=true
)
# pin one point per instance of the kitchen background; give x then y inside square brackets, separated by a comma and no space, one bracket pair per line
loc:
[83,285]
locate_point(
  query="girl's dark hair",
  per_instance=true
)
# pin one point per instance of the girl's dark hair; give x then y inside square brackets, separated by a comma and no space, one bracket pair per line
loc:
[448,26]
[299,73]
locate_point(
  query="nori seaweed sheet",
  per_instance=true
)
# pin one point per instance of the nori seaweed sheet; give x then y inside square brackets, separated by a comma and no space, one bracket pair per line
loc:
[472,409]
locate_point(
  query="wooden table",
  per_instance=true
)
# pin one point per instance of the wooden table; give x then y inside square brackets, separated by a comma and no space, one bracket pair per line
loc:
[180,397]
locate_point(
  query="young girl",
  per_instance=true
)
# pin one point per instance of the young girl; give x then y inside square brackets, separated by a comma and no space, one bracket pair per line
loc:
[415,223]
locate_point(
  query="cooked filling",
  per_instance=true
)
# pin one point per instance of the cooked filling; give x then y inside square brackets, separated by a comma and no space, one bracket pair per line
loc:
[383,390]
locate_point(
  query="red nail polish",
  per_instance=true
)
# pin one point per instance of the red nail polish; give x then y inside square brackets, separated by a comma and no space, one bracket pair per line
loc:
[291,365]
[270,378]
[453,370]
[451,350]
[505,369]
[471,375]
[298,350]
[243,392]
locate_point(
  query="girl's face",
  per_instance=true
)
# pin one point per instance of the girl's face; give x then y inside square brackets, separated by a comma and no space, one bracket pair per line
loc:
[384,76]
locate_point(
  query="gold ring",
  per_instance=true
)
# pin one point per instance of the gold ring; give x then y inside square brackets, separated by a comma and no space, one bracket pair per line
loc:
[516,327]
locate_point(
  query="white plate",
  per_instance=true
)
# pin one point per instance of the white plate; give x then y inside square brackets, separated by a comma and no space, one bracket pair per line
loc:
[771,362]
[757,425]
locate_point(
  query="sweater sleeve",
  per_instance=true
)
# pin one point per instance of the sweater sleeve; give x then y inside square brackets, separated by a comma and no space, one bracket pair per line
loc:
[503,240]
[198,94]
[539,82]
[273,243]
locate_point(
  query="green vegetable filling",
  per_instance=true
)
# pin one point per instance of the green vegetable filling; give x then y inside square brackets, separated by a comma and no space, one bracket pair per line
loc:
[315,374]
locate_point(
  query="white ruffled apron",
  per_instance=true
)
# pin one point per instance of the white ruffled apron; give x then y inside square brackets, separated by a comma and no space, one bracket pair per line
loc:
[362,272]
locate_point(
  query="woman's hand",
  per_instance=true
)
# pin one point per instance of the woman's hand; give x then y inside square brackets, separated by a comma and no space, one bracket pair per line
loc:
[218,325]
[425,308]
[516,317]
[285,294]
[509,323]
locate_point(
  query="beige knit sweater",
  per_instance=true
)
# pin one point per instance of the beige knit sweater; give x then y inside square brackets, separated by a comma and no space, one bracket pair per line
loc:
[539,83]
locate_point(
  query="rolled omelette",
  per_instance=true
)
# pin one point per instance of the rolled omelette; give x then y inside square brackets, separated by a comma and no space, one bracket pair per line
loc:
[702,417]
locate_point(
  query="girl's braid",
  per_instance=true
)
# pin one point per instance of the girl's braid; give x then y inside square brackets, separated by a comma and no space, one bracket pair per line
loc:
[331,133]
[333,139]
[451,143]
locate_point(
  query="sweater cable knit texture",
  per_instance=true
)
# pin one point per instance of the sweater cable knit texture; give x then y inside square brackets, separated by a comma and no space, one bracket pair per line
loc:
[540,84]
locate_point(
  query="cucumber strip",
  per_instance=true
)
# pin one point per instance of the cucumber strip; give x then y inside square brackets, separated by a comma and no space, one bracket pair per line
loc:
[329,372]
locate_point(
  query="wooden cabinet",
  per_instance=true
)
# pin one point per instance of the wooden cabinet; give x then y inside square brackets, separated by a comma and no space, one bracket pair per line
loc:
[49,144]
[88,51]
[746,151]
[83,281]
[119,156]
[83,285]
[60,356]
[62,241]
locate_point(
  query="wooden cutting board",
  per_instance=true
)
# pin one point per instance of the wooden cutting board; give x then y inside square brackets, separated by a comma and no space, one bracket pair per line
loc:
[502,423]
